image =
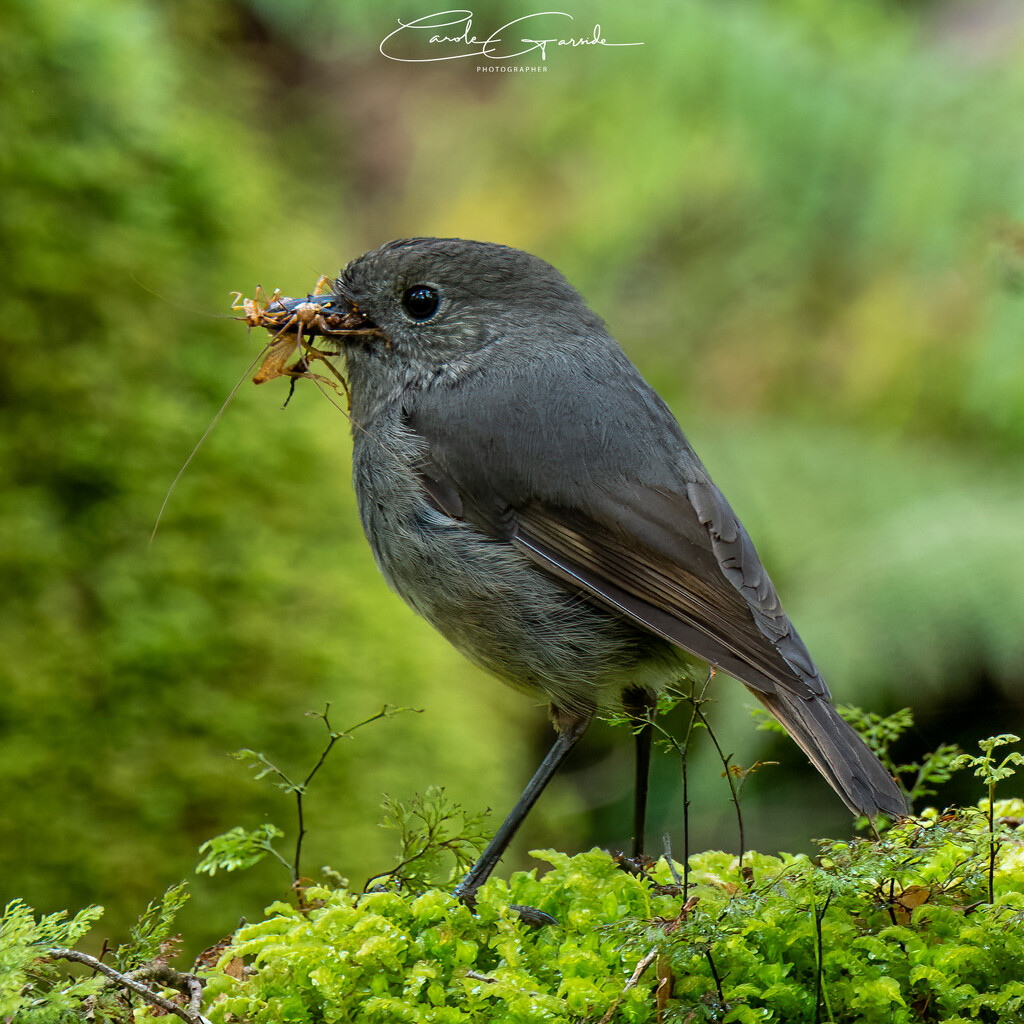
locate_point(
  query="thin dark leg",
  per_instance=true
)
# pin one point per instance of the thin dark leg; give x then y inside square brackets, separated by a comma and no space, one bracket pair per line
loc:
[569,732]
[639,705]
[643,769]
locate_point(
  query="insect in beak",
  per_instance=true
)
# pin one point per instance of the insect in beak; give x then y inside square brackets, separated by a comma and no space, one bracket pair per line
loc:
[294,322]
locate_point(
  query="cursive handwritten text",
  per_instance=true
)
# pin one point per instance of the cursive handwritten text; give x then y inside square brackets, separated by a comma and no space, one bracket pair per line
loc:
[453,30]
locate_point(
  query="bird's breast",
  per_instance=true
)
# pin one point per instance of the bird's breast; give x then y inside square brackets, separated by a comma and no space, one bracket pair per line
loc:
[485,597]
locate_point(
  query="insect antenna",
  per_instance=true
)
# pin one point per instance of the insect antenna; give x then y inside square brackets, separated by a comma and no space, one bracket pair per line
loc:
[199,444]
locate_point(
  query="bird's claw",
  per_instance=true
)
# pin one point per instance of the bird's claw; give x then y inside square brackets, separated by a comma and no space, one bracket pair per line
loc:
[528,915]
[532,916]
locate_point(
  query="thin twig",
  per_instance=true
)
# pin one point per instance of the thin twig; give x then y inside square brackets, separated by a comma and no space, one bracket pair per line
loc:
[892,901]
[428,842]
[681,749]
[695,703]
[684,750]
[714,974]
[992,844]
[673,870]
[195,995]
[729,778]
[190,1013]
[300,791]
[633,979]
[819,981]
[385,712]
[640,968]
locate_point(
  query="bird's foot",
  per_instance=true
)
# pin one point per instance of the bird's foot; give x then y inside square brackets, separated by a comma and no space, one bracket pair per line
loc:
[639,865]
[528,915]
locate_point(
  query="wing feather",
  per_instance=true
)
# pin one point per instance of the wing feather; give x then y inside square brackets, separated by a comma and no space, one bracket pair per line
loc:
[591,479]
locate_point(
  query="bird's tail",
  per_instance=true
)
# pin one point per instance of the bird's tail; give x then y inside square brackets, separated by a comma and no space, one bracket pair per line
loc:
[836,750]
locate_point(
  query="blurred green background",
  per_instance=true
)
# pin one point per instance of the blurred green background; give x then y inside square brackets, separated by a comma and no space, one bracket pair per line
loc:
[803,220]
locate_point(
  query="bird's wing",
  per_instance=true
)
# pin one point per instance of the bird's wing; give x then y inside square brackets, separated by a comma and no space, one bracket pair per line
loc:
[597,485]
[709,595]
[626,512]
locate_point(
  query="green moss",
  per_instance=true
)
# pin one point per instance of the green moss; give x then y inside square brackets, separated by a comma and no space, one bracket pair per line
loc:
[897,929]
[903,938]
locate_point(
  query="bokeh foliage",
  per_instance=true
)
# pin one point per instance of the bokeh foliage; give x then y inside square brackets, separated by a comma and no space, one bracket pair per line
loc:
[806,228]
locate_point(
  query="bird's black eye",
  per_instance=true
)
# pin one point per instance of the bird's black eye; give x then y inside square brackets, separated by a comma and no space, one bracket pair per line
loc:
[421,301]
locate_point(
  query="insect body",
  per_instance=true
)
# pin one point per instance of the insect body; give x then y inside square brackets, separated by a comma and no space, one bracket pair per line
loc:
[293,323]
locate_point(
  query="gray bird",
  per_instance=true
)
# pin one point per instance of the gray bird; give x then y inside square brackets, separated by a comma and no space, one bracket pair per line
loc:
[525,491]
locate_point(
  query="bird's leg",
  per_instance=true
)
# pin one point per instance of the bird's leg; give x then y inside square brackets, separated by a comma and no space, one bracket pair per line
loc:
[643,766]
[569,729]
[639,705]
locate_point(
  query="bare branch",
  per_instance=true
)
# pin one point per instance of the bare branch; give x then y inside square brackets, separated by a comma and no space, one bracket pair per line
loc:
[641,967]
[634,978]
[162,974]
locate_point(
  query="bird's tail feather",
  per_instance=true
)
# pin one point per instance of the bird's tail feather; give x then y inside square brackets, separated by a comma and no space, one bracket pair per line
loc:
[836,750]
